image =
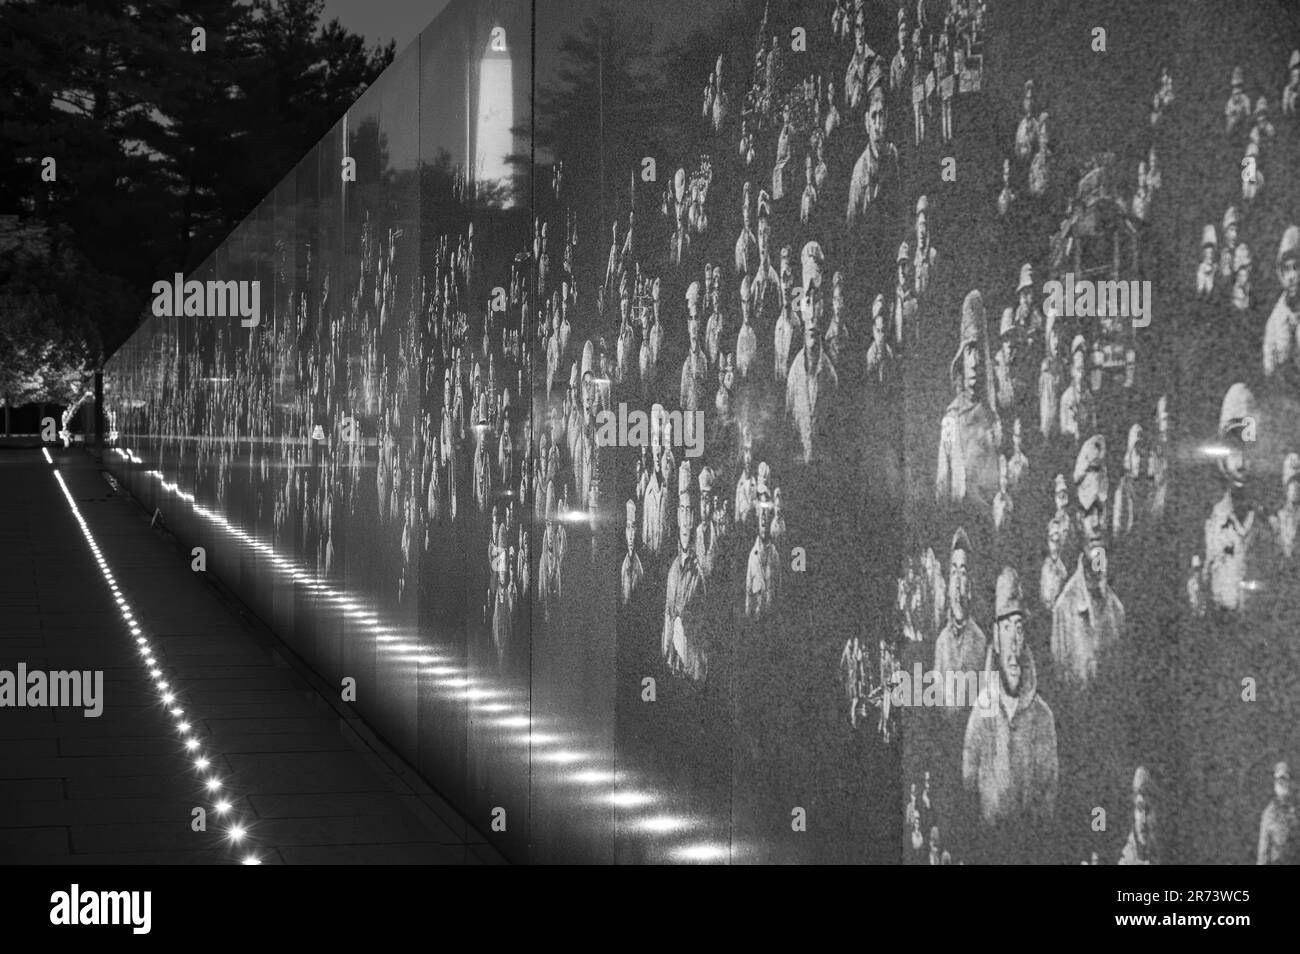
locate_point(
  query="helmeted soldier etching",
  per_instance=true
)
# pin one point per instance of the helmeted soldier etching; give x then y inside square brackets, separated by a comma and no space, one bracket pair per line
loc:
[812,383]
[1241,283]
[1010,756]
[683,630]
[747,482]
[1237,109]
[764,570]
[1227,252]
[1252,175]
[1078,409]
[900,66]
[1007,197]
[905,303]
[1131,490]
[1027,129]
[747,241]
[1011,385]
[1207,269]
[1143,844]
[926,255]
[706,536]
[1088,619]
[1233,548]
[1291,92]
[784,148]
[1281,353]
[548,566]
[1040,173]
[838,338]
[1286,522]
[1029,316]
[882,369]
[969,433]
[961,645]
[808,201]
[1279,831]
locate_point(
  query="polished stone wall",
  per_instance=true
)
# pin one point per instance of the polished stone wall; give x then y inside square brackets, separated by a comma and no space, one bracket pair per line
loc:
[680,648]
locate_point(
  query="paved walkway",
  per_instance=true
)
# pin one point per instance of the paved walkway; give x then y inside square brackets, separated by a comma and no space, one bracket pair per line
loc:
[311,784]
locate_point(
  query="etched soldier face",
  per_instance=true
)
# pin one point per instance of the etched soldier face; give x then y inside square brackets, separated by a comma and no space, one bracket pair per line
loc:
[706,508]
[685,525]
[878,330]
[970,361]
[1010,644]
[765,514]
[812,342]
[1143,820]
[1208,253]
[1293,492]
[1230,234]
[1054,545]
[876,120]
[958,584]
[1282,788]
[922,229]
[1288,276]
[1093,521]
[1236,465]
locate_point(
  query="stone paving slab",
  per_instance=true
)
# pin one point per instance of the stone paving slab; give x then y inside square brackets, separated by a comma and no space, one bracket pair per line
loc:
[312,787]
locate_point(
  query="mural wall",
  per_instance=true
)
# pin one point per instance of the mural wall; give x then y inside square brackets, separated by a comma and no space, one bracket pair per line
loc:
[672,390]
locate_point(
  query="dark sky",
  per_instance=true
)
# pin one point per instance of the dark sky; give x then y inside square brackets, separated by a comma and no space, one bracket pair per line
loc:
[384,20]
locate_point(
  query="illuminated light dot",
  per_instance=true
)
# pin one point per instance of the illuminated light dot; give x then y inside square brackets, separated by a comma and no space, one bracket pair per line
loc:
[169,698]
[161,684]
[252,860]
[237,832]
[183,727]
[223,806]
[178,712]
[213,785]
[191,744]
[201,764]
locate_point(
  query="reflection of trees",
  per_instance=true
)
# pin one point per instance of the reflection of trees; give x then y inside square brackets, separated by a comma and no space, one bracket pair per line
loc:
[608,80]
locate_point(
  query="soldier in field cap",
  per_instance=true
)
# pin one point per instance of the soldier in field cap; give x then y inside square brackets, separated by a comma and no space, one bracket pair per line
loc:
[1088,619]
[1236,524]
[962,645]
[1286,522]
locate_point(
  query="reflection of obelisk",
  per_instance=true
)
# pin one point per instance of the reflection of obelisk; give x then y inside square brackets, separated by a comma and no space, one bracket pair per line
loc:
[494,140]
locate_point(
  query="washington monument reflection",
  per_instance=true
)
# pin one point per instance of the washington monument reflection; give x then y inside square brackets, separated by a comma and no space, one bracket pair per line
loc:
[494,140]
